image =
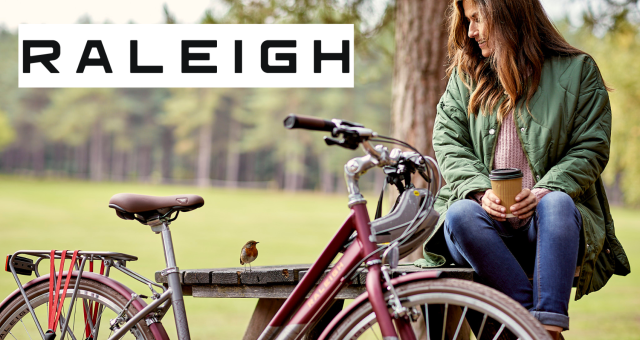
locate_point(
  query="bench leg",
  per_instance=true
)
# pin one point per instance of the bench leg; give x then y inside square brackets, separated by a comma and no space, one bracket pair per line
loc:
[262,315]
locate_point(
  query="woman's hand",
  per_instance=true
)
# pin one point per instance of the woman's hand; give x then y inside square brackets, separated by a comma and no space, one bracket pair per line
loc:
[491,204]
[525,206]
[527,202]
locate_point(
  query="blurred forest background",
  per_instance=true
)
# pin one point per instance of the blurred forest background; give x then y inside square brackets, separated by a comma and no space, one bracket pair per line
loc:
[235,138]
[132,140]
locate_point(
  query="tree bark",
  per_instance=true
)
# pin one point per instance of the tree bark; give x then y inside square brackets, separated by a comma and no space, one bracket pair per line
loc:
[204,155]
[293,165]
[8,159]
[80,159]
[96,158]
[233,154]
[326,175]
[419,73]
[167,154]
[145,163]
[117,166]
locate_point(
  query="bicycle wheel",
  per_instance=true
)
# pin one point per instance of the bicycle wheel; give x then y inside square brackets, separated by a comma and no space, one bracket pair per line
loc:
[17,323]
[449,309]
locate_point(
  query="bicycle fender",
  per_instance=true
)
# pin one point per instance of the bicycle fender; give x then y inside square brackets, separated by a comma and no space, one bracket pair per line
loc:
[419,276]
[156,328]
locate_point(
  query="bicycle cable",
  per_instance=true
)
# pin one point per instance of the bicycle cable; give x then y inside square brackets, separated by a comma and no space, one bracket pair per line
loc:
[413,226]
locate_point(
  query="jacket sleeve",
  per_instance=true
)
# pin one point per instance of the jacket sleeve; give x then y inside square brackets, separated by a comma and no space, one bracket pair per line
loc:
[588,149]
[461,168]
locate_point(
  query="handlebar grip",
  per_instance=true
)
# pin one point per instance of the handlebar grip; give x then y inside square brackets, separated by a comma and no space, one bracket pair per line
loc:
[308,123]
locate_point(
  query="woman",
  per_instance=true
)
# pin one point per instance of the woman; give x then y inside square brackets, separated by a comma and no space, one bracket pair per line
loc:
[519,96]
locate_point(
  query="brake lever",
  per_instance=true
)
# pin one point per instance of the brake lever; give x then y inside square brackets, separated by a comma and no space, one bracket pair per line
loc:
[424,175]
[347,143]
[332,141]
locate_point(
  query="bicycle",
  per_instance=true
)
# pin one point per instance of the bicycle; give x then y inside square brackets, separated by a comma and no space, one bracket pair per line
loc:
[446,307]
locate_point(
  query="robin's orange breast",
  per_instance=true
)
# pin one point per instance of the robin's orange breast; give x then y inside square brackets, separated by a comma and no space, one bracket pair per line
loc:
[251,252]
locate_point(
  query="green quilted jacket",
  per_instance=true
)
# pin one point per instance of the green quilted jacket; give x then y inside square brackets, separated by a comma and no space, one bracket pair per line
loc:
[566,139]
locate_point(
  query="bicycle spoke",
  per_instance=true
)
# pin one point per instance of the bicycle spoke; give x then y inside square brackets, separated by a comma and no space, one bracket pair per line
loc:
[499,332]
[97,304]
[444,322]
[464,312]
[95,331]
[88,308]
[426,320]
[61,320]
[71,334]
[449,309]
[25,329]
[484,320]
[374,333]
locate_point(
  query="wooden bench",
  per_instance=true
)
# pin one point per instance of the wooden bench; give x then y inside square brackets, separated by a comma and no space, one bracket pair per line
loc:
[273,284]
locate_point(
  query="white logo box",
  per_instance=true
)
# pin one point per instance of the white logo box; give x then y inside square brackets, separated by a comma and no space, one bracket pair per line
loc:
[328,46]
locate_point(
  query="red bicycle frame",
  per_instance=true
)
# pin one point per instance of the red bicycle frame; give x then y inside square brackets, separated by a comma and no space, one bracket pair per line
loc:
[289,325]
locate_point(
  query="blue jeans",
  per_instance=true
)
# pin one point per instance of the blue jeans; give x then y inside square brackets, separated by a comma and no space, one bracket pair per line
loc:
[547,248]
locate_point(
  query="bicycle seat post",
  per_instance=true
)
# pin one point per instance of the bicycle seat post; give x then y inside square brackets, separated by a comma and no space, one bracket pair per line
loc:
[173,278]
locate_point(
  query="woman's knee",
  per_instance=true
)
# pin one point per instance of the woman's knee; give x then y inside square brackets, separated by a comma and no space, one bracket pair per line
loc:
[556,210]
[556,200]
[556,203]
[462,215]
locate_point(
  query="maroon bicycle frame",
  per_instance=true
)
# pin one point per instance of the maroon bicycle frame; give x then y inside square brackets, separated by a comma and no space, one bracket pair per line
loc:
[309,310]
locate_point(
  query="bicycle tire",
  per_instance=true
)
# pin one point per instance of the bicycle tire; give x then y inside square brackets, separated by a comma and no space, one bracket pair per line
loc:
[498,308]
[110,303]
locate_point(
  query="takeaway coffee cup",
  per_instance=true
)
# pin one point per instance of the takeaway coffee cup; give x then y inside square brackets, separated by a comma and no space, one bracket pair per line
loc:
[506,184]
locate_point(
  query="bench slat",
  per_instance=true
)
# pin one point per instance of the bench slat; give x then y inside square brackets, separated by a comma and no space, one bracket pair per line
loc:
[277,291]
[277,282]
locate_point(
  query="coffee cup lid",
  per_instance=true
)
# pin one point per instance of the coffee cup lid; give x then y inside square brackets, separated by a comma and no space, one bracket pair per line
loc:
[502,174]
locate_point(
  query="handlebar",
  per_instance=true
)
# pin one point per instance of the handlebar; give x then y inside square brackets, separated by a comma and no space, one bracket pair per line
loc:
[399,166]
[309,123]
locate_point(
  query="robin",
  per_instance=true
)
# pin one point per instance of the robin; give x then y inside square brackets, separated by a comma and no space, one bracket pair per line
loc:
[248,254]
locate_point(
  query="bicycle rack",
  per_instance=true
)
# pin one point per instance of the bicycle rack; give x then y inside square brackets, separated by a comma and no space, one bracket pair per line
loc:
[19,265]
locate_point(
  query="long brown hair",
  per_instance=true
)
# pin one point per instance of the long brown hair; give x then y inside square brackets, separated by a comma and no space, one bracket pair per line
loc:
[521,35]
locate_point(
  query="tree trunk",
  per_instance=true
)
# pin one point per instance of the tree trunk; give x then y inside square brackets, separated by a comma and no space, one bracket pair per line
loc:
[419,73]
[204,155]
[249,166]
[293,165]
[57,161]
[9,159]
[418,80]
[167,154]
[233,154]
[145,162]
[95,164]
[326,175]
[108,149]
[80,159]
[117,166]
[37,157]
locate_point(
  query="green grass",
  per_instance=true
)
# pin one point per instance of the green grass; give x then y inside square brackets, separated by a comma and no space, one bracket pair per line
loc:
[614,311]
[291,228]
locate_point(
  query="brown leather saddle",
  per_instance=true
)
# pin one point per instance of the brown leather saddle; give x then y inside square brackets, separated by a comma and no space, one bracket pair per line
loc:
[145,208]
